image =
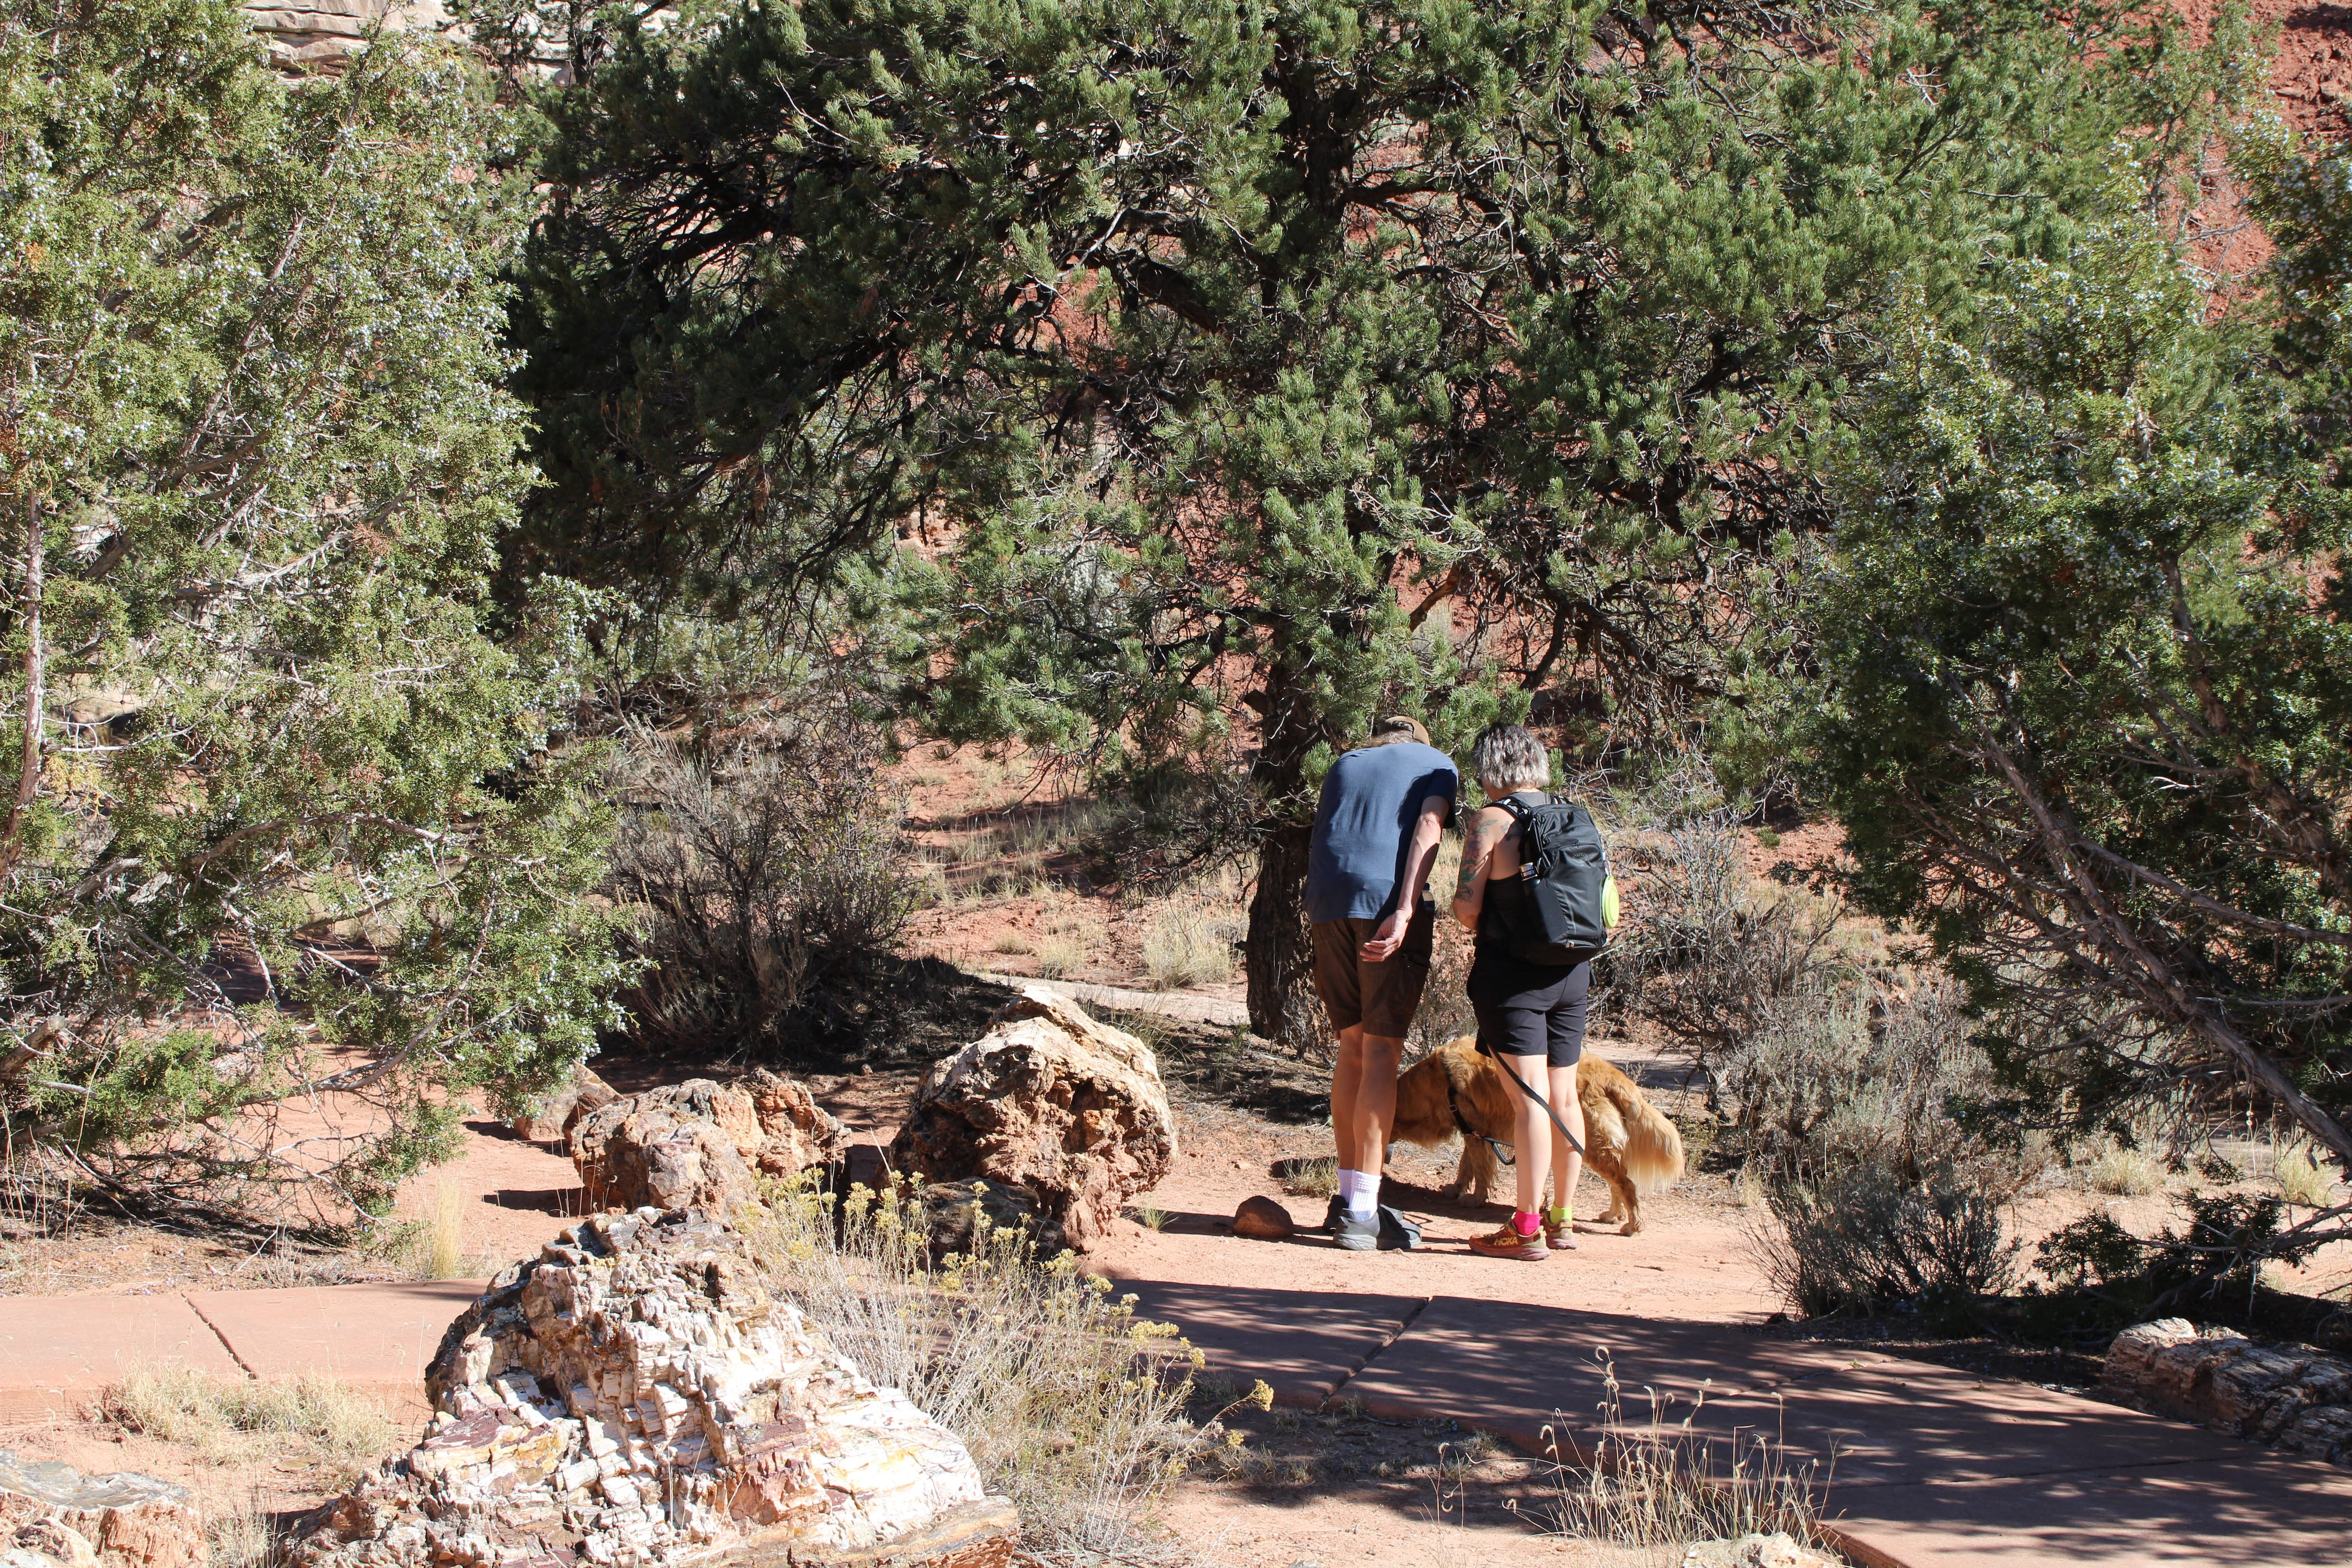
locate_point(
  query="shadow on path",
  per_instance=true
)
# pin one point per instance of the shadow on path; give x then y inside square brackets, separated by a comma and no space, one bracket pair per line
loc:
[1926,1465]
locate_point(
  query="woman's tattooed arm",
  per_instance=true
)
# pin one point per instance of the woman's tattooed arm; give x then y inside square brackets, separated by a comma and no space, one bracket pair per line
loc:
[1487,830]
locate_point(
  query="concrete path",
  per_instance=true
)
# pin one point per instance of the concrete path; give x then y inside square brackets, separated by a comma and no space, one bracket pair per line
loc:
[1928,1467]
[57,1352]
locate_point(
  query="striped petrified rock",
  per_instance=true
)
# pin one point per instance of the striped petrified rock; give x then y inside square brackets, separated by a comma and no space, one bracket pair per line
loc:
[53,1515]
[562,1108]
[2290,1397]
[702,1144]
[634,1396]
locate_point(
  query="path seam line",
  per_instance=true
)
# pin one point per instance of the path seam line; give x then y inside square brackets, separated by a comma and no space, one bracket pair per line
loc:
[1373,1355]
[216,1327]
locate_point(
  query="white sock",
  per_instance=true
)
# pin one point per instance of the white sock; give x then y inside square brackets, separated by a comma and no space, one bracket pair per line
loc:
[1367,1193]
[1347,1189]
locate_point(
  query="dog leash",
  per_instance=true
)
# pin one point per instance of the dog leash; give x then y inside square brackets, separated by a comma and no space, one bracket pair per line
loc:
[1462,1125]
[1521,1085]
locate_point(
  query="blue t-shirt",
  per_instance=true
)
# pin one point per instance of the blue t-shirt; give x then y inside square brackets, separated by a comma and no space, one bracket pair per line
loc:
[1364,826]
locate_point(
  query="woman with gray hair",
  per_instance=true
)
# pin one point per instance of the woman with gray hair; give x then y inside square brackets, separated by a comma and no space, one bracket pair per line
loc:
[1530,1014]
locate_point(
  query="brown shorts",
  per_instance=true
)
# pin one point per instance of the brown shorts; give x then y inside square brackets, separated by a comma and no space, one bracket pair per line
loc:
[1382,997]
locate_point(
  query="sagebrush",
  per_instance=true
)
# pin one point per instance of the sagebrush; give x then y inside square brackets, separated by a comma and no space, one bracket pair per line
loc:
[1071,1405]
[769,879]
[1872,1237]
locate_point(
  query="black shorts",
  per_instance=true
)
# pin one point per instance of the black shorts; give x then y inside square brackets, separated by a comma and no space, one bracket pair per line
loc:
[1531,1010]
[1382,997]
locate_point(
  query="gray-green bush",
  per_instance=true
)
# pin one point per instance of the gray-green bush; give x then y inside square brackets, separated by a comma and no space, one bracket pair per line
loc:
[1871,1237]
[767,880]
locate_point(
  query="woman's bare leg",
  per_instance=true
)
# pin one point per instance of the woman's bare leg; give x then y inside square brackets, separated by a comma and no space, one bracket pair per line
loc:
[1535,1132]
[1565,1160]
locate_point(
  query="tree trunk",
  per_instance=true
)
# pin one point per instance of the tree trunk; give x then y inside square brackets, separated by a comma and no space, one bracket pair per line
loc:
[1280,959]
[1279,964]
[28,775]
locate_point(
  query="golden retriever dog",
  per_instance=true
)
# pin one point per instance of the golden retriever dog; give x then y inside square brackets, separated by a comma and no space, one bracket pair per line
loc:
[1627,1143]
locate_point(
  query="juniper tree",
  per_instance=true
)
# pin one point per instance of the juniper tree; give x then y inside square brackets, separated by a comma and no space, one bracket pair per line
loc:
[2087,675]
[1240,371]
[279,813]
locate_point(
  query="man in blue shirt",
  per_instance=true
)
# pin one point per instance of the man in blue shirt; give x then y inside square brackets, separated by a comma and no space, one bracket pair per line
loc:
[1373,921]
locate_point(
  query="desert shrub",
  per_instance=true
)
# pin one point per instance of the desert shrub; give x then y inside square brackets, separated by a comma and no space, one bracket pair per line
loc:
[228,1420]
[1070,1404]
[1869,1074]
[769,879]
[1873,1238]
[1705,951]
[2210,1265]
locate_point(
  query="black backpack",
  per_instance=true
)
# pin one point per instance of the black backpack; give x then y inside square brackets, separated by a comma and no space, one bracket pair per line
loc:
[1566,872]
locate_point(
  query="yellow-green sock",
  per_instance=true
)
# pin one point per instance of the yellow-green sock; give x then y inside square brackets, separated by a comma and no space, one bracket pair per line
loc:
[1557,1215]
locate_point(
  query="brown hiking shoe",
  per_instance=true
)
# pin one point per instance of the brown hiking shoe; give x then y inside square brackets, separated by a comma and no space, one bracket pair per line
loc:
[1559,1236]
[1508,1242]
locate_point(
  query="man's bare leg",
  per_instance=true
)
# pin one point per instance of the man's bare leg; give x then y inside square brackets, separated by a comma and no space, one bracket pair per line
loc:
[1375,1102]
[1346,1074]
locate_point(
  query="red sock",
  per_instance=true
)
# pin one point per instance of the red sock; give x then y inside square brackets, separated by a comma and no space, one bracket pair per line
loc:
[1525,1222]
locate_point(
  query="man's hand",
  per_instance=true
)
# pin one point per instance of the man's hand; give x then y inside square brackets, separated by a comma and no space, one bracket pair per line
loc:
[1386,938]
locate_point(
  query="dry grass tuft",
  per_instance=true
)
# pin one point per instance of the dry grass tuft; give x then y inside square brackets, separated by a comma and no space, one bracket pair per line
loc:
[442,1253]
[318,1419]
[246,1536]
[1071,1405]
[2302,1179]
[1188,943]
[1656,1484]
[1308,1178]
[2125,1173]
[1060,953]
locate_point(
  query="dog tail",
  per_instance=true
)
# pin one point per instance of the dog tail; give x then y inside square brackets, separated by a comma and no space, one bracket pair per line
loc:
[1653,1156]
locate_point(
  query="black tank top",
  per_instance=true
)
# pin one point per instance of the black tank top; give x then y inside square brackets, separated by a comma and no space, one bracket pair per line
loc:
[1507,915]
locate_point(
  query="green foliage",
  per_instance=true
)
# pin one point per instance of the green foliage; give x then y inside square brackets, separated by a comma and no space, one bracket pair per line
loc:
[2088,707]
[258,464]
[2212,1265]
[1241,373]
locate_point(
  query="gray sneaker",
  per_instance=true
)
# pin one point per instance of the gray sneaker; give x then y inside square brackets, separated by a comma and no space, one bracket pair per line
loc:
[1333,1215]
[1355,1234]
[1398,1234]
